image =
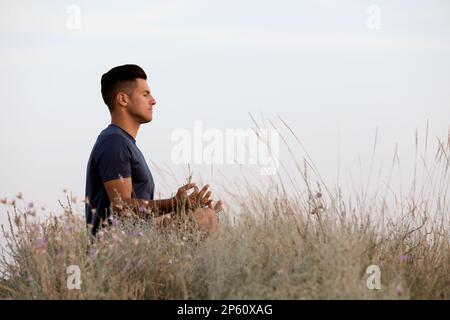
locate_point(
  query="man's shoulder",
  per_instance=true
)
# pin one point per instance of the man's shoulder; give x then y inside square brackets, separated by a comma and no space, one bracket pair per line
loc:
[110,140]
[111,136]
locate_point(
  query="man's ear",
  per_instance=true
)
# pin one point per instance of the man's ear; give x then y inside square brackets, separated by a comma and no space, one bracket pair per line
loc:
[122,99]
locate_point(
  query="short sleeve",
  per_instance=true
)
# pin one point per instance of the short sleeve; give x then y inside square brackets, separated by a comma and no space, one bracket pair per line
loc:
[114,159]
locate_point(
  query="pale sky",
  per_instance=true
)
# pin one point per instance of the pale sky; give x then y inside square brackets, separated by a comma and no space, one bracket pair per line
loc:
[315,63]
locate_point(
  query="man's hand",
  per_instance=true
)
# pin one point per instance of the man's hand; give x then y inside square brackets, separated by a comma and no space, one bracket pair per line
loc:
[206,218]
[196,199]
[217,208]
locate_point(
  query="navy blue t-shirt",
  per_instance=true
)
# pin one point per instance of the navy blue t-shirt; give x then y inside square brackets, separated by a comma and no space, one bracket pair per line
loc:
[114,155]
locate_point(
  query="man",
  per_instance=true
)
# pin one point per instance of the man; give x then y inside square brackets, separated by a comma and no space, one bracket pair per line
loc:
[117,174]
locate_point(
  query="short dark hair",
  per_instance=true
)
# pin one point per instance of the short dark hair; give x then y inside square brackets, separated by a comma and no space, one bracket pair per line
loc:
[116,79]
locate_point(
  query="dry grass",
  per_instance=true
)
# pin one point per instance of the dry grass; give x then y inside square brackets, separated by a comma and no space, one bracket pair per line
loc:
[309,245]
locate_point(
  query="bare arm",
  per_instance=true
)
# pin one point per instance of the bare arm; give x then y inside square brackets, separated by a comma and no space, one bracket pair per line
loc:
[120,195]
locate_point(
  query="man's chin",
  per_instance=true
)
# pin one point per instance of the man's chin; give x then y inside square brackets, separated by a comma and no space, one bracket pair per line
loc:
[146,120]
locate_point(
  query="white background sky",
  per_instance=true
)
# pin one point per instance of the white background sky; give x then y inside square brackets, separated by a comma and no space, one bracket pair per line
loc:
[314,63]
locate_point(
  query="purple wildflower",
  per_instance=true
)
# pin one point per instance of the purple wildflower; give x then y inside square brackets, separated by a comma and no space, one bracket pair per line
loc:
[42,243]
[113,221]
[402,258]
[399,290]
[94,254]
[138,233]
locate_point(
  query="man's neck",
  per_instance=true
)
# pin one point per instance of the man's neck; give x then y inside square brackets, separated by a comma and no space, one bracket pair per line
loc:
[129,126]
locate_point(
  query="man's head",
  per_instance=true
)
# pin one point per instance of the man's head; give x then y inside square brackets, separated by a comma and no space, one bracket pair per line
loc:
[125,91]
